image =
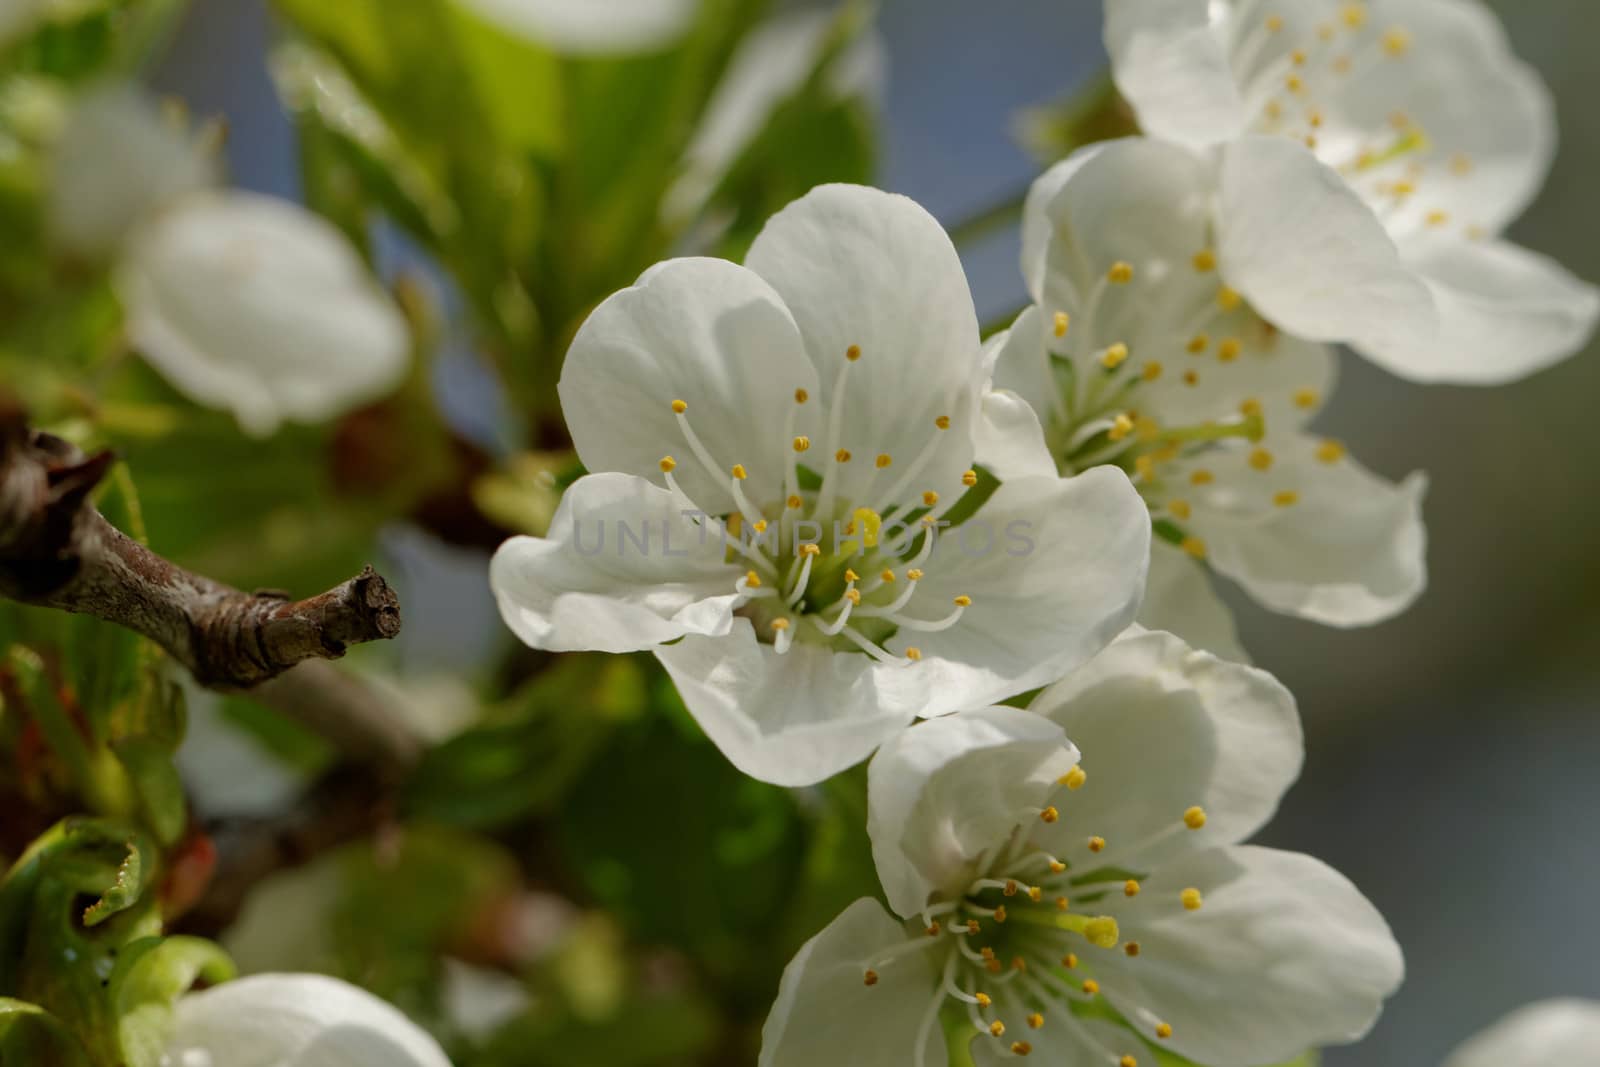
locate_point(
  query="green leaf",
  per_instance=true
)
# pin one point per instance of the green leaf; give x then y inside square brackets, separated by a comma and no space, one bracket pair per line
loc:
[151,974]
[31,1035]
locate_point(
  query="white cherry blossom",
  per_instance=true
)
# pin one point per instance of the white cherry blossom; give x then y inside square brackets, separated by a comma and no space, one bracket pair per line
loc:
[1420,108]
[1550,1033]
[592,27]
[1093,912]
[797,435]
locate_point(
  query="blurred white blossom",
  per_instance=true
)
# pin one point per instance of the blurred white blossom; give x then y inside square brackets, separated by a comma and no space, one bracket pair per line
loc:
[295,1020]
[1551,1033]
[592,27]
[1086,913]
[1142,352]
[824,400]
[243,302]
[1420,108]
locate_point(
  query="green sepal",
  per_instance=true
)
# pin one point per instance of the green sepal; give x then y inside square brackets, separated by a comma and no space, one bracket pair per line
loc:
[150,975]
[31,1035]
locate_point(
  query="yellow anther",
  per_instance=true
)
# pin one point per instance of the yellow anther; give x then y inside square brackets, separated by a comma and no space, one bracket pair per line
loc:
[1000,914]
[842,456]
[1274,110]
[1261,459]
[1035,894]
[810,550]
[794,503]
[1288,498]
[1018,963]
[1056,867]
[1063,903]
[1097,844]
[997,1028]
[1229,349]
[1295,84]
[1195,817]
[1191,378]
[1250,407]
[1121,426]
[887,575]
[930,498]
[1191,899]
[1121,273]
[1228,299]
[1354,15]
[1205,261]
[1011,887]
[1194,547]
[1131,949]
[1020,1048]
[1074,778]
[1113,357]
[1130,888]
[934,929]
[973,926]
[943,422]
[969,478]
[854,596]
[983,999]
[853,353]
[752,579]
[870,523]
[870,978]
[1306,398]
[802,443]
[883,460]
[668,464]
[1069,961]
[963,601]
[1311,142]
[1315,119]
[1274,23]
[1330,451]
[1063,322]
[1151,371]
[1090,986]
[1127,1061]
[1146,428]
[760,526]
[679,407]
[1049,814]
[1438,218]
[993,967]
[1202,477]
[986,952]
[1198,344]
[851,576]
[1035,1021]
[1180,509]
[914,574]
[1397,42]
[913,653]
[1144,466]
[739,472]
[780,624]
[1402,189]
[1163,1030]
[801,396]
[1298,57]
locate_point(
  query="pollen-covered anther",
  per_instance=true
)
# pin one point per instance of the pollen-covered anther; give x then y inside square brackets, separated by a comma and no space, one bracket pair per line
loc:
[983,999]
[1097,844]
[1228,299]
[1151,371]
[986,952]
[969,478]
[1306,398]
[1121,273]
[962,601]
[851,576]
[1190,378]
[1020,1048]
[1195,817]
[1035,894]
[853,353]
[1330,451]
[794,503]
[1018,963]
[942,422]
[1250,407]
[1194,546]
[1229,349]
[973,926]
[1179,509]
[1091,987]
[997,1028]
[668,464]
[1191,899]
[1294,83]
[1286,498]
[812,550]
[842,456]
[883,460]
[1397,41]
[1274,23]
[913,653]
[934,929]
[1354,15]
[1198,344]
[854,596]
[1010,888]
[1163,1030]
[1202,477]
[679,407]
[1130,888]
[802,443]
[870,978]
[1438,218]
[1070,961]
[1127,1061]
[739,472]
[752,579]
[780,624]
[1049,814]
[930,498]
[1074,779]
[887,576]
[1035,1021]
[801,396]
[1121,427]
[914,575]
[994,967]
[759,526]
[1261,459]
[1205,261]
[1114,357]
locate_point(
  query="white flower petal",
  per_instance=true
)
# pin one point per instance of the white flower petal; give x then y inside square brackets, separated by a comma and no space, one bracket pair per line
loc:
[941,794]
[117,160]
[1065,1039]
[256,305]
[1010,440]
[1164,727]
[1284,954]
[1505,312]
[1174,70]
[1350,551]
[826,1014]
[1551,1033]
[1018,361]
[864,268]
[622,570]
[771,65]
[1275,374]
[297,1020]
[709,333]
[591,27]
[1180,599]
[1038,228]
[1309,254]
[1055,568]
[796,718]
